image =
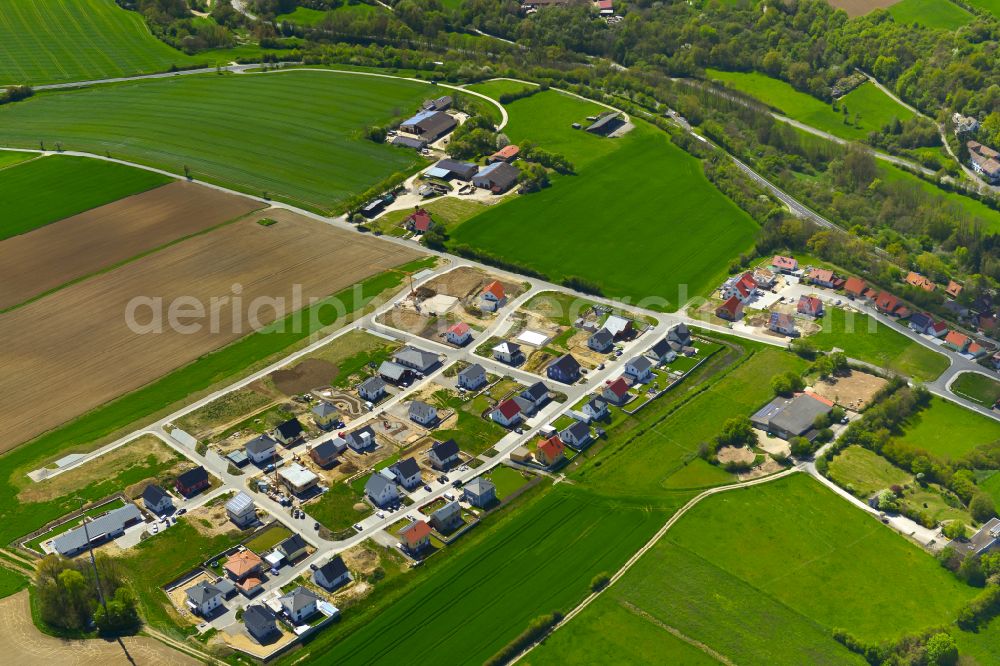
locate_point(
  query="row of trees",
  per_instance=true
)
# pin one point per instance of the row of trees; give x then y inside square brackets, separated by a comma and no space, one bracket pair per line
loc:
[66,594]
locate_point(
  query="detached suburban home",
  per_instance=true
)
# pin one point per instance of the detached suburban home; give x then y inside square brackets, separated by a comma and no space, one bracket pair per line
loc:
[372,389]
[564,369]
[260,622]
[920,322]
[192,481]
[550,451]
[419,221]
[617,391]
[497,177]
[507,413]
[975,350]
[156,499]
[244,567]
[954,289]
[577,434]
[423,413]
[784,264]
[407,473]
[416,536]
[472,377]
[601,340]
[506,154]
[824,277]
[536,395]
[381,491]
[203,598]
[919,281]
[288,432]
[493,297]
[325,415]
[394,373]
[640,369]
[595,407]
[333,574]
[855,287]
[241,510]
[443,454]
[621,328]
[782,323]
[325,453]
[679,334]
[300,604]
[458,334]
[742,287]
[448,518]
[886,303]
[297,478]
[508,352]
[417,359]
[293,548]
[663,352]
[362,439]
[261,449]
[810,306]
[937,329]
[480,492]
[731,310]
[957,341]
[764,278]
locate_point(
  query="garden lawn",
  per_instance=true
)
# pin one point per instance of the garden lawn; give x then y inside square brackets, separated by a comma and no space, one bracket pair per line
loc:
[40,191]
[473,433]
[268,539]
[666,235]
[506,479]
[540,559]
[335,508]
[874,107]
[948,430]
[50,41]
[960,207]
[307,149]
[930,14]
[981,648]
[977,388]
[866,339]
[866,472]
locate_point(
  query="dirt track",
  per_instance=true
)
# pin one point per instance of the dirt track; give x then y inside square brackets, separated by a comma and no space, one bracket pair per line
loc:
[22,643]
[33,263]
[72,350]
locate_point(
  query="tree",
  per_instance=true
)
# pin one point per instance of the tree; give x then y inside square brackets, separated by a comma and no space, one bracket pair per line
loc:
[800,447]
[737,431]
[982,507]
[121,615]
[887,501]
[787,383]
[941,650]
[954,530]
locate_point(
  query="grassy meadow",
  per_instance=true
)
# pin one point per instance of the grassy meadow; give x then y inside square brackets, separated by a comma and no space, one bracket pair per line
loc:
[993,7]
[53,41]
[312,17]
[308,147]
[497,87]
[938,14]
[978,388]
[48,189]
[947,430]
[873,107]
[960,206]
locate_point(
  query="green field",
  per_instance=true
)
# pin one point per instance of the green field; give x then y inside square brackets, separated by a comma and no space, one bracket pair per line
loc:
[11,582]
[312,17]
[865,472]
[497,87]
[865,339]
[936,14]
[50,41]
[10,158]
[671,238]
[875,109]
[466,607]
[992,6]
[977,388]
[763,575]
[49,189]
[298,137]
[962,206]
[947,430]
[979,649]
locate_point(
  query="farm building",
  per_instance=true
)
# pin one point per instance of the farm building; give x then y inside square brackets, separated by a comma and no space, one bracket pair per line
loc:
[447,168]
[241,510]
[792,417]
[506,154]
[429,125]
[442,103]
[606,124]
[443,454]
[109,526]
[408,142]
[497,177]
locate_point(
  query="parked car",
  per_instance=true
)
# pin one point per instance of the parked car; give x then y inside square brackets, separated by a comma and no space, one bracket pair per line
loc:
[316,526]
[357,526]
[181,512]
[380,514]
[427,487]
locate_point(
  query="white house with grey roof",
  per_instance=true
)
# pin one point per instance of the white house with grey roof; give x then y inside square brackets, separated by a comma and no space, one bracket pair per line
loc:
[448,518]
[204,598]
[576,434]
[537,395]
[381,491]
[372,389]
[640,369]
[508,352]
[472,377]
[417,359]
[333,574]
[395,373]
[423,413]
[241,510]
[663,352]
[407,473]
[362,439]
[109,526]
[156,499]
[299,604]
[480,492]
[261,450]
[443,454]
[601,340]
[596,407]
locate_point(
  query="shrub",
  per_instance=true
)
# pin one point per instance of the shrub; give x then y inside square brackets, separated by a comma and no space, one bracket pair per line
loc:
[535,632]
[201,448]
[600,581]
[954,530]
[982,507]
[941,650]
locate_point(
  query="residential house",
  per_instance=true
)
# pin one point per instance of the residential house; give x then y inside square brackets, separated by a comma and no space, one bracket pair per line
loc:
[372,389]
[953,289]
[325,453]
[442,103]
[680,334]
[498,177]
[983,161]
[299,604]
[937,329]
[964,124]
[975,350]
[480,492]
[792,417]
[297,478]
[203,599]
[416,359]
[333,574]
[493,297]
[381,491]
[448,518]
[742,287]
[443,455]
[509,353]
[605,7]
[507,413]
[394,373]
[640,369]
[601,340]
[920,322]
[289,432]
[244,567]
[782,323]
[472,377]
[429,125]
[810,306]
[419,221]
[156,499]
[261,449]
[822,276]
[241,510]
[109,526]
[407,473]
[663,352]
[293,548]
[416,536]
[784,264]
[731,310]
[423,413]
[617,391]
[595,407]
[984,540]
[764,278]
[886,303]
[506,154]
[576,434]
[362,439]
[458,334]
[919,281]
[564,369]
[621,327]
[957,341]
[325,415]
[261,623]
[550,451]
[855,287]
[192,481]
[536,396]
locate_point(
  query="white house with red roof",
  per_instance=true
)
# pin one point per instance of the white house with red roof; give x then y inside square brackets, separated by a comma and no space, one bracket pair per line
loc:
[493,296]
[458,334]
[824,277]
[743,287]
[617,391]
[784,264]
[507,413]
[810,306]
[732,309]
[937,329]
[419,221]
[957,341]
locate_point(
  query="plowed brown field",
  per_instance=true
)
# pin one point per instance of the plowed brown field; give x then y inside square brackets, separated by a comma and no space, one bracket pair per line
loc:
[36,262]
[72,350]
[861,7]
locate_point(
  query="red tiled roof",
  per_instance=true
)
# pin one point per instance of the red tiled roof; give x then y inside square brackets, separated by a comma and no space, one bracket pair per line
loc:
[619,387]
[975,348]
[918,280]
[855,286]
[243,563]
[821,275]
[509,409]
[939,326]
[809,304]
[787,263]
[825,401]
[421,220]
[886,302]
[733,306]
[957,339]
[494,288]
[552,447]
[415,532]
[954,288]
[461,328]
[507,152]
[747,281]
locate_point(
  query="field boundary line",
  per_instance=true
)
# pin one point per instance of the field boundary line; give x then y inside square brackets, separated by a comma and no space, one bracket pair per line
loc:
[652,542]
[673,631]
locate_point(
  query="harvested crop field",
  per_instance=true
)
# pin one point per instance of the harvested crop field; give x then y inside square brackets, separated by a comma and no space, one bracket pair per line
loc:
[854,390]
[305,376]
[22,643]
[82,353]
[42,260]
[861,7]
